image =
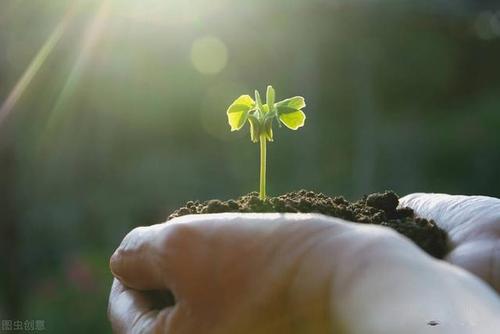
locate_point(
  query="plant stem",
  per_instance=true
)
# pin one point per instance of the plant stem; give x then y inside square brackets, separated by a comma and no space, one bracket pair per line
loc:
[262,192]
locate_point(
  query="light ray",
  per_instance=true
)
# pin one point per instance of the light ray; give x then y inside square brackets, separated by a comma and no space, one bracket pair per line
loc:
[35,65]
[90,39]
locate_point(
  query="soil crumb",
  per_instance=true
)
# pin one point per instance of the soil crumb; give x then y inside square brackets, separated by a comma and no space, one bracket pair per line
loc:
[377,208]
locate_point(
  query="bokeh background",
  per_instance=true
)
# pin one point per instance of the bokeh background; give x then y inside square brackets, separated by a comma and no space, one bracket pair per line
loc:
[112,113]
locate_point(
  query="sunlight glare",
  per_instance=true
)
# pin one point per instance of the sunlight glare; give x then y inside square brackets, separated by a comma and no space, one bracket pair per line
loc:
[35,65]
[209,55]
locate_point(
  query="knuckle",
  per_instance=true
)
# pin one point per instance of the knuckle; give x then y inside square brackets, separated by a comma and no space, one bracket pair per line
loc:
[178,235]
[130,243]
[131,240]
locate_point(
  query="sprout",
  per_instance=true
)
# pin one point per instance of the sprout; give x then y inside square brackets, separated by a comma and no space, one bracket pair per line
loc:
[261,116]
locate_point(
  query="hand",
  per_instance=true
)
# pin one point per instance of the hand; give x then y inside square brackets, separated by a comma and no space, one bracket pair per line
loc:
[270,273]
[473,226]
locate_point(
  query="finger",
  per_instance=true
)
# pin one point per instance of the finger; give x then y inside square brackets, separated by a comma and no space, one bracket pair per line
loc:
[481,257]
[131,311]
[173,255]
[426,294]
[462,217]
[473,226]
[138,261]
[163,256]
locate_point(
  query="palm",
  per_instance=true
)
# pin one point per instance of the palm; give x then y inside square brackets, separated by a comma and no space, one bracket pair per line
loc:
[473,226]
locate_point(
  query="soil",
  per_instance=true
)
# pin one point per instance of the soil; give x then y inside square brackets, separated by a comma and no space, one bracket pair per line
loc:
[377,208]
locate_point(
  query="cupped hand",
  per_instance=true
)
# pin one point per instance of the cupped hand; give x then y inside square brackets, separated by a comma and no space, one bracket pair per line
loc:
[473,227]
[296,273]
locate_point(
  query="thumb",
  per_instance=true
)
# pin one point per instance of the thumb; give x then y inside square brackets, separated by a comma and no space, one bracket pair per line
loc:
[132,311]
[138,262]
[156,257]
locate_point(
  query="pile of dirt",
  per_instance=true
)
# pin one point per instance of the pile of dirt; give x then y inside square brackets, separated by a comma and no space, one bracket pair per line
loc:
[377,208]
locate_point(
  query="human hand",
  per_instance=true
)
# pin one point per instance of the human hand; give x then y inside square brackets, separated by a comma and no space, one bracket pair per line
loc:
[473,227]
[270,273]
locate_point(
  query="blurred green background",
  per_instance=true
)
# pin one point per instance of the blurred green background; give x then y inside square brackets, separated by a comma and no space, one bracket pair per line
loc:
[112,114]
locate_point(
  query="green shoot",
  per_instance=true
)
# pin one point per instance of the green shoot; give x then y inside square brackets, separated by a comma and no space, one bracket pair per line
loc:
[260,117]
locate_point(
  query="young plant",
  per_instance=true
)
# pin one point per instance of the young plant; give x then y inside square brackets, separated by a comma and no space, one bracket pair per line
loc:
[261,116]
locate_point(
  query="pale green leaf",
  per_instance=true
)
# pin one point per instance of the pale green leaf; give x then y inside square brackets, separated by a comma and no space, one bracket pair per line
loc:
[296,102]
[293,119]
[237,113]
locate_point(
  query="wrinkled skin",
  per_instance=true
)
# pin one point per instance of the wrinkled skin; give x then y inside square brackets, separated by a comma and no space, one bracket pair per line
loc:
[306,273]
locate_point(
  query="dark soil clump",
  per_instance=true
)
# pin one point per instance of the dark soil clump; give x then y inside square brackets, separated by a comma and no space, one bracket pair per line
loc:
[378,208]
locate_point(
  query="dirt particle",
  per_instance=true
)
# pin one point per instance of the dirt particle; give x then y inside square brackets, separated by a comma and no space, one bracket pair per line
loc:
[386,201]
[215,206]
[185,211]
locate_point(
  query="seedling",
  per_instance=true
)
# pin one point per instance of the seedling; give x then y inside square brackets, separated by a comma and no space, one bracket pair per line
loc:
[261,116]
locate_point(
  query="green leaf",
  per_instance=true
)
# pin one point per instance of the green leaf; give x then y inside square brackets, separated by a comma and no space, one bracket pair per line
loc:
[237,113]
[289,112]
[293,119]
[270,94]
[254,128]
[296,102]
